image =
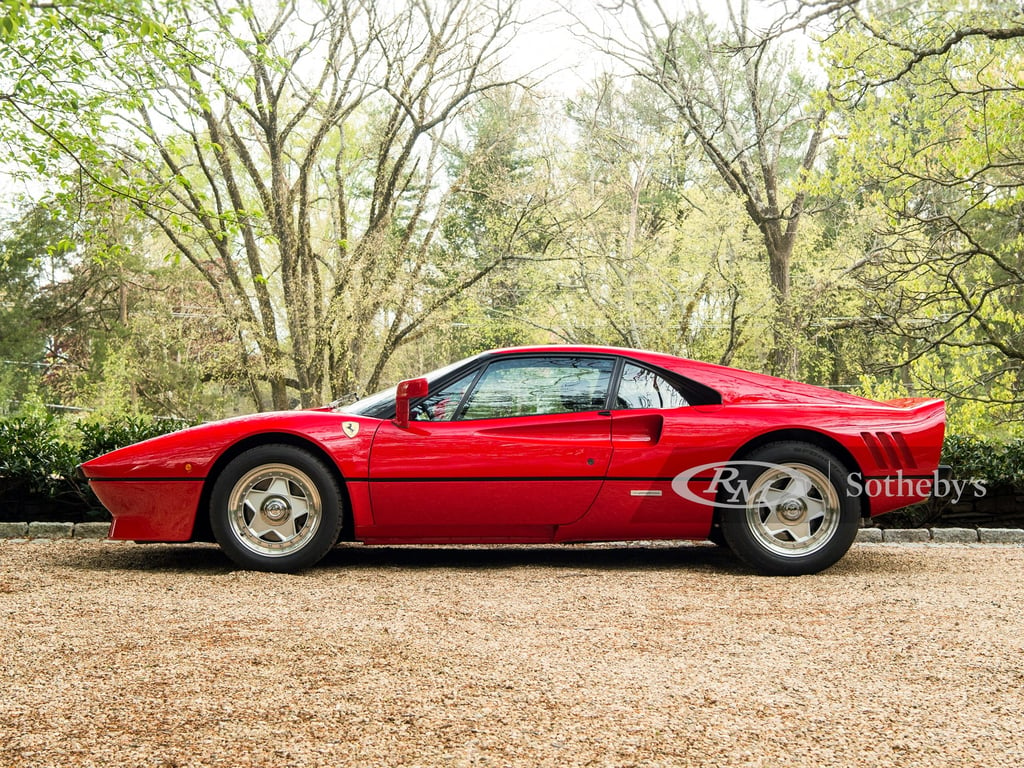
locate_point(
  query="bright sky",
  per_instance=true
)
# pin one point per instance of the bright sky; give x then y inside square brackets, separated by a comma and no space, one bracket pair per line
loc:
[551,45]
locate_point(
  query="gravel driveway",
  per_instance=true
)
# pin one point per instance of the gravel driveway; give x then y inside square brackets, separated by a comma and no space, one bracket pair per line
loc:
[115,654]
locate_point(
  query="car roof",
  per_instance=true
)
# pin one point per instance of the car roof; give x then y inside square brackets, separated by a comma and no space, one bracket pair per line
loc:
[732,384]
[640,354]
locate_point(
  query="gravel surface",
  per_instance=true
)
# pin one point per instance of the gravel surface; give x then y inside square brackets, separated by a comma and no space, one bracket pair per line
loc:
[116,654]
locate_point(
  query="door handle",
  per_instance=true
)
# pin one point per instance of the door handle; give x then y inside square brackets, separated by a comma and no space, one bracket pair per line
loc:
[640,429]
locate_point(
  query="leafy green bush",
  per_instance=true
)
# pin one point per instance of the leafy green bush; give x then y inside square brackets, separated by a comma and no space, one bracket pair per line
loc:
[35,457]
[39,480]
[999,466]
[39,458]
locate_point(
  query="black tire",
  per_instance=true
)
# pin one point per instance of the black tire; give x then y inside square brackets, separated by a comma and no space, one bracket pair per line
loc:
[276,508]
[794,515]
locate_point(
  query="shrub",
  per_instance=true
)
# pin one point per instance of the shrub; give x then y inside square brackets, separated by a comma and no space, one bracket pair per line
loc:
[99,437]
[39,458]
[1000,466]
[35,457]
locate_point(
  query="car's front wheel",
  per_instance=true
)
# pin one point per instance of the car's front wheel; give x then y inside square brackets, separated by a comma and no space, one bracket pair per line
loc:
[795,514]
[276,508]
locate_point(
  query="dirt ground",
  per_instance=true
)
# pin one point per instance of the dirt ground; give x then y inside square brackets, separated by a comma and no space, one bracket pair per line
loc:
[117,654]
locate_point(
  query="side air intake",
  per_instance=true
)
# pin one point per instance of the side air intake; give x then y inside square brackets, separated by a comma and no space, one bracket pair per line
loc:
[889,450]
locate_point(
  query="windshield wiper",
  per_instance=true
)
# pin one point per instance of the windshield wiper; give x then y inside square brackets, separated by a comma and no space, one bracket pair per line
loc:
[348,397]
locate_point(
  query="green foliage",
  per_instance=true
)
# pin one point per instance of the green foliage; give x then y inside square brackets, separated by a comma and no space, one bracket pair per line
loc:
[36,456]
[89,318]
[747,109]
[40,454]
[52,103]
[281,201]
[497,214]
[32,249]
[999,464]
[931,108]
[100,437]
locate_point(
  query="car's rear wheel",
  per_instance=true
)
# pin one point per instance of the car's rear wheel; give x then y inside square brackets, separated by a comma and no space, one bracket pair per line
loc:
[796,514]
[276,508]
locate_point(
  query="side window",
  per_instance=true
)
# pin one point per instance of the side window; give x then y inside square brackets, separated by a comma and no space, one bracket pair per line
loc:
[441,406]
[533,386]
[641,388]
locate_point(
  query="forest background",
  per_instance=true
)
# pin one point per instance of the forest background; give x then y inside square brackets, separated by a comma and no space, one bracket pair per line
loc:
[214,207]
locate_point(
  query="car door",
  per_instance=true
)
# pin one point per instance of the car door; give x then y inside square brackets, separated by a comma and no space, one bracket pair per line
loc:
[507,452]
[656,434]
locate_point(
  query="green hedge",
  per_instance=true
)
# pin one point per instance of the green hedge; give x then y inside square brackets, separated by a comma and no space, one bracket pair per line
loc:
[999,465]
[39,458]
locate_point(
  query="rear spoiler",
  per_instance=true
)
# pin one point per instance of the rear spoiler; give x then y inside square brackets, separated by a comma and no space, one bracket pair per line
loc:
[917,403]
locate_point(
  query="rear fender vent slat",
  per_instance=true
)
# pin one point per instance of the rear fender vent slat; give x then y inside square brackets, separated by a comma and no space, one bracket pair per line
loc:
[890,448]
[901,443]
[874,448]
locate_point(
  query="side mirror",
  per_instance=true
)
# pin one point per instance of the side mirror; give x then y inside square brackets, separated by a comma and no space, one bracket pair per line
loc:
[410,389]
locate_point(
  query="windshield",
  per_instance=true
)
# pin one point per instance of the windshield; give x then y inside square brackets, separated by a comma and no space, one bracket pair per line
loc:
[385,399]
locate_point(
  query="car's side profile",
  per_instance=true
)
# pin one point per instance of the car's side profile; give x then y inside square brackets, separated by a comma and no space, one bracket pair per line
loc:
[540,444]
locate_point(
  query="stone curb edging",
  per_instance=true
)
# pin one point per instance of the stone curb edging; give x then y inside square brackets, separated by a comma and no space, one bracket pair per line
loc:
[864,535]
[940,536]
[54,530]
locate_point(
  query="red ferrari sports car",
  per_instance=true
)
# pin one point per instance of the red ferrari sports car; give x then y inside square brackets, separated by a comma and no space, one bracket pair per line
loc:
[538,444]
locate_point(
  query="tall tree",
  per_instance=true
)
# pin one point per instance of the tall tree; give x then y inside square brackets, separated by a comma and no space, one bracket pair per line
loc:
[624,188]
[89,319]
[932,104]
[654,255]
[747,106]
[291,154]
[34,243]
[501,211]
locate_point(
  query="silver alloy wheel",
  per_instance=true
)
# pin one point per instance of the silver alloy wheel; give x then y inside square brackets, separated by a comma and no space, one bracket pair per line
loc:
[274,510]
[793,510]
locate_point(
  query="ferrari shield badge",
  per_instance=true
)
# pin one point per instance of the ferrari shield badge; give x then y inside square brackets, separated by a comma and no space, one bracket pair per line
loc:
[350,428]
